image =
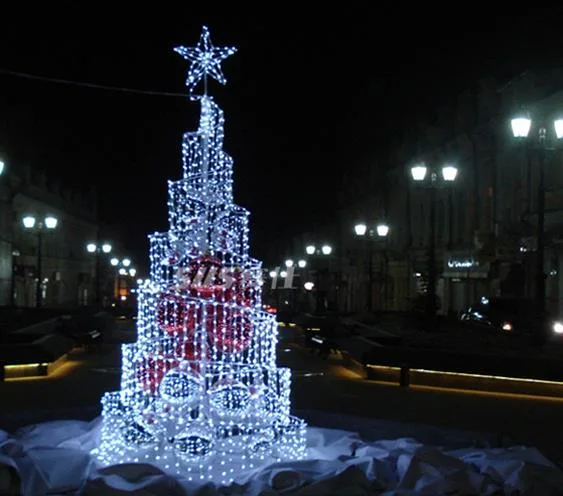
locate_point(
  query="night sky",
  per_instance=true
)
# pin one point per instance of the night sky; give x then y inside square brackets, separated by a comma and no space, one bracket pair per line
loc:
[308,97]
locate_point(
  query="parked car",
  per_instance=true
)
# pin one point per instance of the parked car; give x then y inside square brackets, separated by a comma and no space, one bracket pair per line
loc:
[512,315]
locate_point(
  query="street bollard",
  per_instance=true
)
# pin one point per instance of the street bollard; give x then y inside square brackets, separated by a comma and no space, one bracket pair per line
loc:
[405,376]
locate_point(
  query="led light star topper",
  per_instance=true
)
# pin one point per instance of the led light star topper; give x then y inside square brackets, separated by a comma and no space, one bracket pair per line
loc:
[205,60]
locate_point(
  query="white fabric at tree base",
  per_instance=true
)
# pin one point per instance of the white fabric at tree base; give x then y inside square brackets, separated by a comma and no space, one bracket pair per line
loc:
[53,458]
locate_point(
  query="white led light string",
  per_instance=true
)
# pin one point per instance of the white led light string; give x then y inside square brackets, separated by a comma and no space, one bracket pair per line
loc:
[200,394]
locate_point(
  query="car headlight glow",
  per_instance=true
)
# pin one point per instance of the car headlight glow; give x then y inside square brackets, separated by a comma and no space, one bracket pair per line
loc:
[506,326]
[558,327]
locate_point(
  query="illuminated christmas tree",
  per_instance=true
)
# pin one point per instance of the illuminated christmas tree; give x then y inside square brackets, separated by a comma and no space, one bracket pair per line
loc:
[200,391]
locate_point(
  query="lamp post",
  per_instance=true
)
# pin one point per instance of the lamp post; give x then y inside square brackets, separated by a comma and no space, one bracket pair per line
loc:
[293,297]
[324,251]
[381,231]
[47,224]
[521,127]
[124,271]
[433,181]
[98,250]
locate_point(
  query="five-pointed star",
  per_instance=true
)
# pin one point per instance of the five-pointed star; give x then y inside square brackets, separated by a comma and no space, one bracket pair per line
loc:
[205,59]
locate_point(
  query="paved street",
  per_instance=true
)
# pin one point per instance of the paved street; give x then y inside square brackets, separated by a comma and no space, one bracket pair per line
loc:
[318,385]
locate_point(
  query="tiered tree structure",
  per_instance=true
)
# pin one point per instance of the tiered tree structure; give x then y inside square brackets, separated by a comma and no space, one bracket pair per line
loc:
[201,394]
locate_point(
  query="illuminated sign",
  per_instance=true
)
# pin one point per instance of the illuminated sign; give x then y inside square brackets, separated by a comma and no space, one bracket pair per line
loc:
[463,263]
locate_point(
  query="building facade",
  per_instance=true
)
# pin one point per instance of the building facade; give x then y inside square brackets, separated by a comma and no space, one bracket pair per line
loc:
[486,220]
[67,270]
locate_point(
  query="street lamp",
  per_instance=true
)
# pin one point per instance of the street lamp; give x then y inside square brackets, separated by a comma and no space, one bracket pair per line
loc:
[98,250]
[287,290]
[521,127]
[122,282]
[381,230]
[419,173]
[324,251]
[124,271]
[92,247]
[290,263]
[360,229]
[47,224]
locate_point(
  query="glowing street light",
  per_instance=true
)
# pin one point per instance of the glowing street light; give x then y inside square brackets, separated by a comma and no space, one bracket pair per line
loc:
[382,230]
[521,127]
[449,173]
[48,223]
[360,229]
[419,174]
[98,250]
[558,124]
[28,222]
[324,251]
[51,222]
